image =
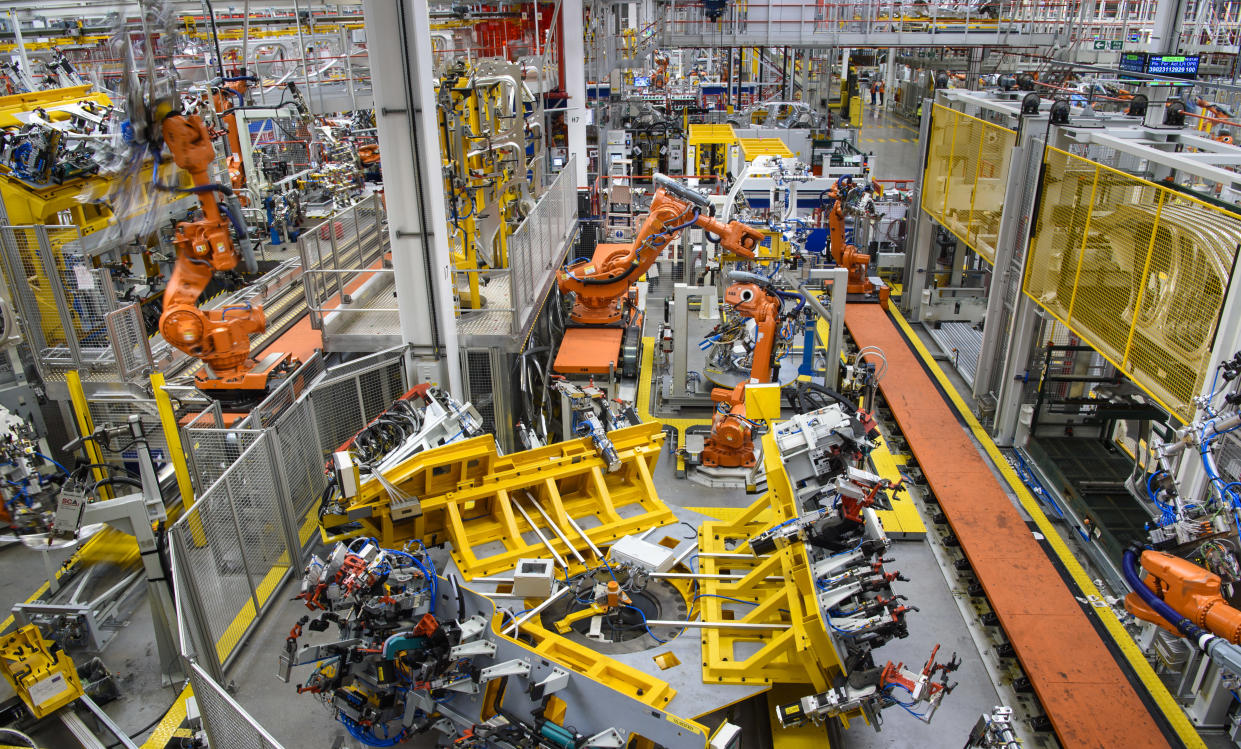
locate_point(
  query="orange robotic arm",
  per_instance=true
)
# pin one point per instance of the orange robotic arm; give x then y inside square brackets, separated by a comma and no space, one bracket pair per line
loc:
[731,442]
[601,283]
[222,103]
[1189,589]
[845,254]
[221,338]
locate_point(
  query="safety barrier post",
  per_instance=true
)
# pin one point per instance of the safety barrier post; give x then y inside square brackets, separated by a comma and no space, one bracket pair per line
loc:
[81,414]
[172,435]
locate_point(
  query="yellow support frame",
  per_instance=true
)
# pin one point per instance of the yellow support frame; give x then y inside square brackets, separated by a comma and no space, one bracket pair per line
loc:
[628,680]
[470,496]
[172,437]
[801,654]
[86,427]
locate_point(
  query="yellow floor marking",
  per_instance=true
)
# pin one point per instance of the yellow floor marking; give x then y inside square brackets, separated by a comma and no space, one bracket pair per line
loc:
[169,726]
[645,377]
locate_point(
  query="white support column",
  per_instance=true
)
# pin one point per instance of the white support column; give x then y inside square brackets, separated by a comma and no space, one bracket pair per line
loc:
[889,79]
[1166,30]
[575,84]
[399,31]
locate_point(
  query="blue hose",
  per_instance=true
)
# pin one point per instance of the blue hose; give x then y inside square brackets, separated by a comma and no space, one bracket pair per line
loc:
[53,462]
[235,221]
[1134,578]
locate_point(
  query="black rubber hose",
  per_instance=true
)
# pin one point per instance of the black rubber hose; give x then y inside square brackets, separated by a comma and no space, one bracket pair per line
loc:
[215,37]
[114,480]
[803,403]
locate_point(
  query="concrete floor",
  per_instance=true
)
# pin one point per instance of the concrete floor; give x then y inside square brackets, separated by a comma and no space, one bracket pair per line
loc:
[892,142]
[130,657]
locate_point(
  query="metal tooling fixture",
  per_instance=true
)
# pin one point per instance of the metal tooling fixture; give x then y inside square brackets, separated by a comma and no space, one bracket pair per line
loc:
[466,495]
[508,684]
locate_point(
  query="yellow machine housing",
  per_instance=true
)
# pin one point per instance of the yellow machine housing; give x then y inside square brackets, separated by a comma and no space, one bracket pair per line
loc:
[26,205]
[44,680]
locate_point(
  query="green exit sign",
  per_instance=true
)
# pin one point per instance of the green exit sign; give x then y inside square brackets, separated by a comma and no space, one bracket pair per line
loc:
[1118,45]
[1100,45]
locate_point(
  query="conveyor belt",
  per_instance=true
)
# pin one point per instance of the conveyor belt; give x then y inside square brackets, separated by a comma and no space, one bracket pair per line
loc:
[1087,696]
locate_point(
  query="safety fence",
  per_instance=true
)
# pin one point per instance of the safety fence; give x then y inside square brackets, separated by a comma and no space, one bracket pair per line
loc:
[1138,270]
[966,174]
[225,721]
[537,247]
[245,534]
[68,309]
[339,254]
[348,278]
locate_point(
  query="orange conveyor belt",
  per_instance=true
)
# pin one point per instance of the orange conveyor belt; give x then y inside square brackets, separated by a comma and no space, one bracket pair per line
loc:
[1087,696]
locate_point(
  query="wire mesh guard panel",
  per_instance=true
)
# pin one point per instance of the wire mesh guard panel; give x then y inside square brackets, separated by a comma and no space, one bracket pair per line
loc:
[302,458]
[256,494]
[269,411]
[966,175]
[338,414]
[226,722]
[212,451]
[479,383]
[34,290]
[1137,270]
[380,387]
[86,296]
[214,573]
[116,412]
[536,246]
[128,336]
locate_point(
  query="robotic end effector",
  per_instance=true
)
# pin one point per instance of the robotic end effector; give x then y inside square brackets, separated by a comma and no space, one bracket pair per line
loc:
[871,690]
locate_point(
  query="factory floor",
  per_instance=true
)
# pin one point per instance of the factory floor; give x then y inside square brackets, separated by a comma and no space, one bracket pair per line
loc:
[303,722]
[892,142]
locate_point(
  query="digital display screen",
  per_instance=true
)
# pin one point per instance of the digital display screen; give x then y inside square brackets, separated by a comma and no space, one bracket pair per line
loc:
[1179,66]
[641,81]
[1133,62]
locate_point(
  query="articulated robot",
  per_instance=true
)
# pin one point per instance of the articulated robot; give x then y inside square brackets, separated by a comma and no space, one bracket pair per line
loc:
[602,285]
[731,443]
[1191,591]
[220,337]
[846,255]
[223,104]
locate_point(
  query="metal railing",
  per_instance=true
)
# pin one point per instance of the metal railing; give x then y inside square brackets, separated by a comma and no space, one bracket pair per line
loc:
[245,534]
[352,240]
[345,270]
[538,246]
